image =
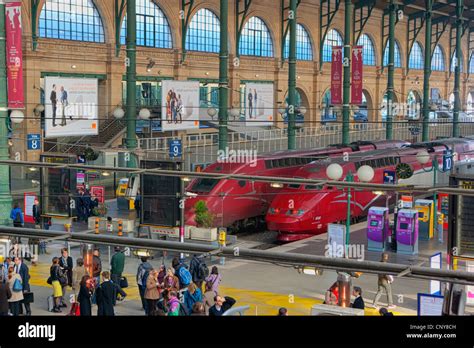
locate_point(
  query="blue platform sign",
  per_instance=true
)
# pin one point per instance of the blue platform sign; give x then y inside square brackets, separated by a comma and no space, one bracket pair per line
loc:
[176,148]
[34,141]
[447,160]
[389,177]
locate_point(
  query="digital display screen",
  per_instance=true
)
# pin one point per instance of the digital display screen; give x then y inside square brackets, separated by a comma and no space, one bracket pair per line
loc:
[421,215]
[404,226]
[374,223]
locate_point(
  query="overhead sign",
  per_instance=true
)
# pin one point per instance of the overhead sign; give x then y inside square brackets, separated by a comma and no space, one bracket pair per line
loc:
[336,76]
[71,107]
[357,75]
[34,141]
[14,58]
[447,160]
[389,177]
[180,105]
[259,108]
[176,148]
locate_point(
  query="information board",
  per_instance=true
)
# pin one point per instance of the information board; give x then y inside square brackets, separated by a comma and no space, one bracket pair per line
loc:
[430,305]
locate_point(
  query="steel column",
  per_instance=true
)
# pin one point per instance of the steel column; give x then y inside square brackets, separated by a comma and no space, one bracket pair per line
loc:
[292,77]
[427,71]
[131,63]
[347,72]
[34,22]
[223,75]
[118,13]
[391,70]
[457,68]
[5,195]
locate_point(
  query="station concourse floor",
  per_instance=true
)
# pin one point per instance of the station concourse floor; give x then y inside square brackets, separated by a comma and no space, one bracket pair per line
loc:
[263,286]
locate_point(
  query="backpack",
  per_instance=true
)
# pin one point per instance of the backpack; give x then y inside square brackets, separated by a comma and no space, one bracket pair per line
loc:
[182,310]
[203,271]
[145,277]
[185,277]
[17,217]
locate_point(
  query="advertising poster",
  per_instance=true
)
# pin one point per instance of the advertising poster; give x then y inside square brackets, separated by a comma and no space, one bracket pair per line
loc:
[336,240]
[430,305]
[29,201]
[469,288]
[180,102]
[336,76]
[14,55]
[99,192]
[435,285]
[357,82]
[71,107]
[259,102]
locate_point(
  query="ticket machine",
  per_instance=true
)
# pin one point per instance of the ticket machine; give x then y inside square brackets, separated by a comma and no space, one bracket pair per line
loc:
[407,231]
[377,228]
[426,216]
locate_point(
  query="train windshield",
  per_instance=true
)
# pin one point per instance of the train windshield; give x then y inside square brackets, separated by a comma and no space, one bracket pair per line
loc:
[204,185]
[313,187]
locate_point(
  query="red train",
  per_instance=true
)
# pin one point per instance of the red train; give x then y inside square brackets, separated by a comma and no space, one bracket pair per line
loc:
[302,211]
[242,205]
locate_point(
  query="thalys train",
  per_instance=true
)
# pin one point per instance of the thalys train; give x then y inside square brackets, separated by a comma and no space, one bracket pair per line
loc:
[302,211]
[242,205]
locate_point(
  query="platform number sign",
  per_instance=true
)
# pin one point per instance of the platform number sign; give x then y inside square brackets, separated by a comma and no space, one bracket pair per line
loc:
[176,148]
[34,141]
[447,160]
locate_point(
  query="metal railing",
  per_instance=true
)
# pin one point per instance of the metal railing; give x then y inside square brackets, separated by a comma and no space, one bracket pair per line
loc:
[203,148]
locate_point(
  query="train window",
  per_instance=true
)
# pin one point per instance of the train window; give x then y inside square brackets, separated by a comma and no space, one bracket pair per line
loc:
[294,186]
[281,162]
[313,187]
[287,162]
[242,183]
[268,164]
[204,185]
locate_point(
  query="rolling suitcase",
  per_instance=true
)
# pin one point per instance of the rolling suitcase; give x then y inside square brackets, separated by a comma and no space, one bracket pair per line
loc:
[50,303]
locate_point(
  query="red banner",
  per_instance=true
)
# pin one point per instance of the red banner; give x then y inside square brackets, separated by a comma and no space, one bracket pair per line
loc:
[357,83]
[14,55]
[336,76]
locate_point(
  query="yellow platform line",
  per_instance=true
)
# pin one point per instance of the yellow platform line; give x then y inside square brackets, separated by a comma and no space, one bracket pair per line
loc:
[260,302]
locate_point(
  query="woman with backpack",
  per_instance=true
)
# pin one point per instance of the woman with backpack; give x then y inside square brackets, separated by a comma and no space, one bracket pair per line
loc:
[214,279]
[191,296]
[17,216]
[16,287]
[55,278]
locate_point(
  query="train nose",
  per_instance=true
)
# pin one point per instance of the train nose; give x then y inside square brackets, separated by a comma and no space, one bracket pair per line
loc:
[282,223]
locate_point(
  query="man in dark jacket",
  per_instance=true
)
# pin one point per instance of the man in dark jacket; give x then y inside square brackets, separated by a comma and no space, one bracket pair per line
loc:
[359,301]
[96,266]
[222,305]
[24,273]
[37,214]
[106,296]
[117,265]
[66,264]
[5,294]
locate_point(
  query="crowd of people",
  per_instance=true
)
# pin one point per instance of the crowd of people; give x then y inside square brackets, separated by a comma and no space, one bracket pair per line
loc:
[85,204]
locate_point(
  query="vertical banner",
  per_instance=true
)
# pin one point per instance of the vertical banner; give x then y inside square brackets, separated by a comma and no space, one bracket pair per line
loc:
[28,202]
[14,55]
[357,84]
[336,76]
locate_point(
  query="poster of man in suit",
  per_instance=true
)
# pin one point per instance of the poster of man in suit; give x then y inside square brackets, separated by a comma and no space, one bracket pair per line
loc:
[180,105]
[71,107]
[260,108]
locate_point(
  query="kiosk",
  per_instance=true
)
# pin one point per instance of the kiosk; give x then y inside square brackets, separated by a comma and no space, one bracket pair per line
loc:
[377,228]
[426,216]
[407,232]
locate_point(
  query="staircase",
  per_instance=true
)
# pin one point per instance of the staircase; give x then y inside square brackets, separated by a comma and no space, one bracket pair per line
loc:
[109,130]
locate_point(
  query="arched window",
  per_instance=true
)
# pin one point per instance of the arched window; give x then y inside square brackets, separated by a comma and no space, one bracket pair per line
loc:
[153,29]
[333,38]
[437,63]
[453,60]
[471,64]
[416,60]
[398,57]
[204,33]
[304,48]
[256,39]
[368,52]
[76,20]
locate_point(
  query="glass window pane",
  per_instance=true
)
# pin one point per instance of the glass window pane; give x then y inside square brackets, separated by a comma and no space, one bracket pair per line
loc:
[256,39]
[333,38]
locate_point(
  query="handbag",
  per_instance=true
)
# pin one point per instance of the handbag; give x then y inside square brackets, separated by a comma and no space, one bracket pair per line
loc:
[49,281]
[17,287]
[123,282]
[28,297]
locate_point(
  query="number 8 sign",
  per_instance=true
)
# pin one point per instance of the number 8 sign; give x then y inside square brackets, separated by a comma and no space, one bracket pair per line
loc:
[34,142]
